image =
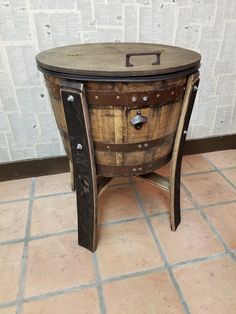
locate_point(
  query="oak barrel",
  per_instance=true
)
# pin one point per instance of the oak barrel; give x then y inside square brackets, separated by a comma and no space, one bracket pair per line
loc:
[134,109]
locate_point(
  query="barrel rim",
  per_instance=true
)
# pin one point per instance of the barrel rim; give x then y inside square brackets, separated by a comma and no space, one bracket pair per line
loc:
[125,79]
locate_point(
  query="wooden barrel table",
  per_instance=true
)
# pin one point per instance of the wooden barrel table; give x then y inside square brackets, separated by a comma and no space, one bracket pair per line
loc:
[122,109]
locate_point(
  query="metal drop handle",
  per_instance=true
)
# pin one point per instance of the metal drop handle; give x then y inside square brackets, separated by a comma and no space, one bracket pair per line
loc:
[138,120]
[155,53]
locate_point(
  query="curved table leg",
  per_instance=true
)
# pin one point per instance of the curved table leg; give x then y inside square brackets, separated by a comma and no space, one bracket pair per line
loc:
[176,161]
[83,162]
[172,184]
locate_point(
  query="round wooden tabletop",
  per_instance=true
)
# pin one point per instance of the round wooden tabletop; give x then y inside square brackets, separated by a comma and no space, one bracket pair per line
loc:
[118,59]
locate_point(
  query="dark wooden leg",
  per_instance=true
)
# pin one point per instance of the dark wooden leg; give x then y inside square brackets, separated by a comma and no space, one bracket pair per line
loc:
[175,210]
[175,173]
[77,118]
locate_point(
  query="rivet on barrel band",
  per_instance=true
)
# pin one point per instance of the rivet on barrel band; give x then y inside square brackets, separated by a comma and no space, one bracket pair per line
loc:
[117,97]
[145,98]
[158,95]
[139,145]
[133,98]
[96,97]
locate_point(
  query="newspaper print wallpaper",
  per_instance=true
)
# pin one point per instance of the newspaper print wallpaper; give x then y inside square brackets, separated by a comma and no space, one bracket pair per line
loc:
[27,126]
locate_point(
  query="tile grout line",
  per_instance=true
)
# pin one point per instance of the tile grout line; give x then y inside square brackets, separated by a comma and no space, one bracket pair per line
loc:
[210,224]
[136,274]
[121,221]
[231,183]
[22,276]
[198,172]
[198,260]
[7,304]
[212,164]
[38,237]
[219,171]
[53,234]
[227,168]
[99,285]
[53,195]
[13,241]
[58,292]
[14,201]
[215,204]
[162,253]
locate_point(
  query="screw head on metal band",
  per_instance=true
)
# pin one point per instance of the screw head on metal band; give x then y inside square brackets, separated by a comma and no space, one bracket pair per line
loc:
[145,98]
[70,98]
[79,146]
[133,98]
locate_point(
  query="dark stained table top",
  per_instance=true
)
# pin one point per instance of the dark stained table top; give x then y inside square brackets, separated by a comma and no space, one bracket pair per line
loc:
[109,59]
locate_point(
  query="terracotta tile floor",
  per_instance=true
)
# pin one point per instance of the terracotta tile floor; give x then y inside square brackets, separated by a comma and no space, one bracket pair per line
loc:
[140,266]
